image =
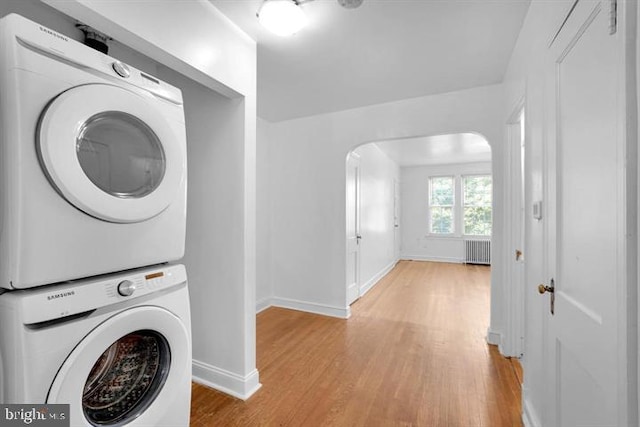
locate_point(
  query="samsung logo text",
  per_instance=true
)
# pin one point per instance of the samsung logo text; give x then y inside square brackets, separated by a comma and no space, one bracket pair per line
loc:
[60,295]
[53,33]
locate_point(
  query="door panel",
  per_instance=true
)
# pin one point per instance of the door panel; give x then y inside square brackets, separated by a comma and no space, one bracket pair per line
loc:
[585,227]
[396,218]
[353,227]
[572,408]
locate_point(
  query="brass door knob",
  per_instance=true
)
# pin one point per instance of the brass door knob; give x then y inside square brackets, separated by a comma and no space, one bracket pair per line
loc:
[544,288]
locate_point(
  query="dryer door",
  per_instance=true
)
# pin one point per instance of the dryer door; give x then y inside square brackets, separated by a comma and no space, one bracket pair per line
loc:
[111,153]
[129,369]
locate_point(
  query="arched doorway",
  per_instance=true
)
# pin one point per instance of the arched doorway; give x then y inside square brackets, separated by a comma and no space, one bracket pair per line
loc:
[422,198]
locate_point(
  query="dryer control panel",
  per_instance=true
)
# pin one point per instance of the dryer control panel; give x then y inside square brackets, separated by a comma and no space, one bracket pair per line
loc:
[57,301]
[44,41]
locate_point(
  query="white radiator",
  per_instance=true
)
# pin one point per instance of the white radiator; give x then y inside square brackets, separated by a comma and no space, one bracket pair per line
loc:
[477,252]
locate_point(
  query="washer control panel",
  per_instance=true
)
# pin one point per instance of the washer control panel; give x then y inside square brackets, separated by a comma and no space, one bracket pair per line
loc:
[66,299]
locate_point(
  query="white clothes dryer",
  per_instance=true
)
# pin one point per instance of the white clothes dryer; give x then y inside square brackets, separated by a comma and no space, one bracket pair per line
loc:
[92,161]
[116,348]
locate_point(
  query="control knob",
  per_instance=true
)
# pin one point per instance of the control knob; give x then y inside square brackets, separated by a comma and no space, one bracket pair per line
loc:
[121,69]
[126,288]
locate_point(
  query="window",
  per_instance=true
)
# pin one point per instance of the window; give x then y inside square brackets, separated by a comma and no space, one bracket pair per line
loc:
[441,205]
[460,205]
[476,202]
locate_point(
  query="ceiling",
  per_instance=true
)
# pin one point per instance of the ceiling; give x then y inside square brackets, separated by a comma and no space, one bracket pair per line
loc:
[385,50]
[438,150]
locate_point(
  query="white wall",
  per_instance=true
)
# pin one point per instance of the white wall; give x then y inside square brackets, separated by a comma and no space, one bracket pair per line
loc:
[307,185]
[377,246]
[202,44]
[264,286]
[215,247]
[417,243]
[524,80]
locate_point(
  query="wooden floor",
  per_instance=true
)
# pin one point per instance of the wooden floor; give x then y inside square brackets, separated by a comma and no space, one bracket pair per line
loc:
[413,353]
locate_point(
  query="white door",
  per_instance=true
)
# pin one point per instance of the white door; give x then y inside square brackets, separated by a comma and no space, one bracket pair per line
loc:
[586,345]
[353,227]
[110,153]
[396,218]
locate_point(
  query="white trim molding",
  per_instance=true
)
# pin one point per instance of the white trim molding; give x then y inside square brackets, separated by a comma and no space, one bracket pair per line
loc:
[512,303]
[353,293]
[375,279]
[494,337]
[263,304]
[242,387]
[409,257]
[312,307]
[529,417]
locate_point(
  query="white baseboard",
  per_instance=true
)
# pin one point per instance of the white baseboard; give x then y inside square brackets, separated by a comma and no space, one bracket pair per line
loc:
[409,257]
[494,338]
[529,416]
[352,293]
[227,382]
[375,279]
[263,304]
[311,307]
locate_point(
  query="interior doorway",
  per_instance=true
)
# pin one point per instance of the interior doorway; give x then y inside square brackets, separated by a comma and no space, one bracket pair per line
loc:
[515,237]
[396,218]
[424,199]
[353,227]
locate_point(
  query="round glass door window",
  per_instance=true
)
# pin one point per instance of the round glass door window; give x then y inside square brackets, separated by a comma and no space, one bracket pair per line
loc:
[120,154]
[126,379]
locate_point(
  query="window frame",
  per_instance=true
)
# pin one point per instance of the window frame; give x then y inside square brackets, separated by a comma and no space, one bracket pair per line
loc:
[463,204]
[453,206]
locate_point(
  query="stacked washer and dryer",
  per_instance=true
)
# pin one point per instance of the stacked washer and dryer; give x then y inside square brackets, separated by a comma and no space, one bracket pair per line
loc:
[92,215]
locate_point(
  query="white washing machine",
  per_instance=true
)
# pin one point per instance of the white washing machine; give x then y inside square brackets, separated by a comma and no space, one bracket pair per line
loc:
[117,349]
[92,161]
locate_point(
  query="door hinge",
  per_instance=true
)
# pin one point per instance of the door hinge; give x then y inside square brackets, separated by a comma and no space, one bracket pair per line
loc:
[613,16]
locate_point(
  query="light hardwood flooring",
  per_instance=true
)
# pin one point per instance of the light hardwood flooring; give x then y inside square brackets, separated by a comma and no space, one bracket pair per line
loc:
[413,353]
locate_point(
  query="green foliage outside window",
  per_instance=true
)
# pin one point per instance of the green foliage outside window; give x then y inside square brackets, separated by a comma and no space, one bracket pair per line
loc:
[477,205]
[441,220]
[441,201]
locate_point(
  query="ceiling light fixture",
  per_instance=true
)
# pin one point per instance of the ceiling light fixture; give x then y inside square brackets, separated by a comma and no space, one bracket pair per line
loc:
[350,4]
[286,17]
[282,17]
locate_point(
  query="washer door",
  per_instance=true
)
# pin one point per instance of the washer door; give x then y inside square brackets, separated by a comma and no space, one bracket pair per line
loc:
[110,153]
[126,369]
